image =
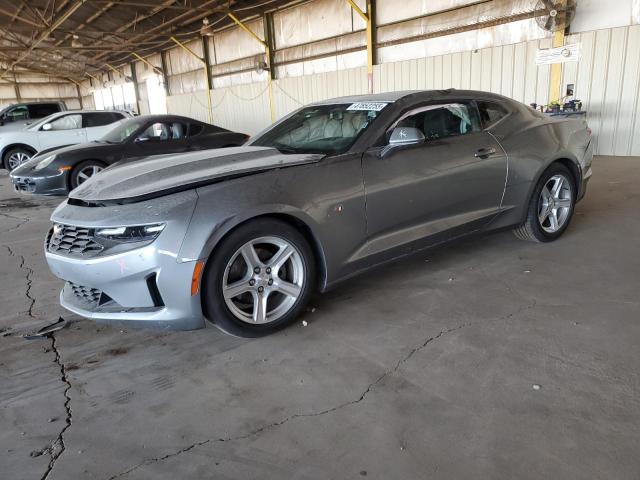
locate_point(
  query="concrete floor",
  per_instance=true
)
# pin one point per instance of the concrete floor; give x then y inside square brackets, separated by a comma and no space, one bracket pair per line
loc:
[423,369]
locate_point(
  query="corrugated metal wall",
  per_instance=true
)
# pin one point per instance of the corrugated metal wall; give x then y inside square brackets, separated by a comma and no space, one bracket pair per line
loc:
[607,79]
[34,88]
[246,107]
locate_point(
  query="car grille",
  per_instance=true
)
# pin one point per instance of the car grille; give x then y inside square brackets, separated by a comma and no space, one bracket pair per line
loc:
[73,241]
[86,294]
[23,184]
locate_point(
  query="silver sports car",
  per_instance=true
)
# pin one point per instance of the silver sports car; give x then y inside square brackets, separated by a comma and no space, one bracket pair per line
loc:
[242,236]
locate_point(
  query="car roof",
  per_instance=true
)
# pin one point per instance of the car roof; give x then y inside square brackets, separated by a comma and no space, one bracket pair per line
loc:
[391,97]
[374,97]
[93,111]
[17,104]
[168,118]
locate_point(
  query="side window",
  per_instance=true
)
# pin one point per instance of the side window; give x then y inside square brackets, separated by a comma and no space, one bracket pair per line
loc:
[42,110]
[491,113]
[195,129]
[163,131]
[67,122]
[100,119]
[442,121]
[18,113]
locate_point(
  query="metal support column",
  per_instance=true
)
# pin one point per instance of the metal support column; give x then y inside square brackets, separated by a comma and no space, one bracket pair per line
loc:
[165,77]
[206,72]
[79,96]
[369,19]
[207,66]
[267,51]
[136,90]
[555,77]
[16,88]
[270,49]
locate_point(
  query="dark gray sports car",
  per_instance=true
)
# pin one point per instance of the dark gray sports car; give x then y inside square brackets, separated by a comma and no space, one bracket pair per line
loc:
[242,236]
[57,170]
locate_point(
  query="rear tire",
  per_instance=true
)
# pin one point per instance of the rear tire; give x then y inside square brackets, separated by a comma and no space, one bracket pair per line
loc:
[550,207]
[16,157]
[83,171]
[267,292]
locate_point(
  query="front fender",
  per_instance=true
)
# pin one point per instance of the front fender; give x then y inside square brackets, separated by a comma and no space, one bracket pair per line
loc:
[216,232]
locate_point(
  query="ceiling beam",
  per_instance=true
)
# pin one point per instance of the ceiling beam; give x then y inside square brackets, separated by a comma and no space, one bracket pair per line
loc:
[16,16]
[45,33]
[134,22]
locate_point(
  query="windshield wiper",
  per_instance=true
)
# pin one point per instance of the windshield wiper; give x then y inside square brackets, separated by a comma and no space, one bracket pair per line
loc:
[286,148]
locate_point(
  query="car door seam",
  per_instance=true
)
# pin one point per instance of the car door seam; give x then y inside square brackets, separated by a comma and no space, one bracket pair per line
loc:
[506,177]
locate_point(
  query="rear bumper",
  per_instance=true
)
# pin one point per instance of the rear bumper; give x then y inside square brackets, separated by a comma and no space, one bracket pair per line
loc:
[142,287]
[44,185]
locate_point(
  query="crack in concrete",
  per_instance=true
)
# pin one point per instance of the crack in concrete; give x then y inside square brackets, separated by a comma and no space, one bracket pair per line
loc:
[149,461]
[362,396]
[58,446]
[22,221]
[28,278]
[269,426]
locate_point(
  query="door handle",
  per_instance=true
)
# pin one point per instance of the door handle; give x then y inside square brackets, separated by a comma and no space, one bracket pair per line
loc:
[485,152]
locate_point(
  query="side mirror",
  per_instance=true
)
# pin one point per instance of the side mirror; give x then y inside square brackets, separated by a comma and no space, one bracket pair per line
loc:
[46,127]
[406,136]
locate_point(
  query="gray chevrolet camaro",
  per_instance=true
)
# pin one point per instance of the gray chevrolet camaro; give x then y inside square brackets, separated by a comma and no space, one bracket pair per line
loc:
[242,236]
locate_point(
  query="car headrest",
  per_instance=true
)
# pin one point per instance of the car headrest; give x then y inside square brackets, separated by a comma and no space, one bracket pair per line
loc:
[177,131]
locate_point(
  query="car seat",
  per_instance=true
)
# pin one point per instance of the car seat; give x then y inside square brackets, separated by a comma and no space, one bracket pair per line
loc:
[177,131]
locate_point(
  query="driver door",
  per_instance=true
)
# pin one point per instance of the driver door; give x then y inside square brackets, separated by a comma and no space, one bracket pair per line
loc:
[447,185]
[64,130]
[161,138]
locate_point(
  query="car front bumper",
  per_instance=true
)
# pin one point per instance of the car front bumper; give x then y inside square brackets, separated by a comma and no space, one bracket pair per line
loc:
[141,287]
[46,184]
[146,283]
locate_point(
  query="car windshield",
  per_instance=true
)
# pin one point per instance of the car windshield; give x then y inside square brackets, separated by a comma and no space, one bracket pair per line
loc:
[326,129]
[122,131]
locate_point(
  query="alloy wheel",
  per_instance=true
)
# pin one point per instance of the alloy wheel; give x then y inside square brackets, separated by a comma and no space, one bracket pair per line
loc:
[88,172]
[554,206]
[18,158]
[263,280]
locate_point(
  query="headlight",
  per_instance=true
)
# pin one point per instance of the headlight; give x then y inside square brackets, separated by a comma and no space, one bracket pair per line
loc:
[138,233]
[45,162]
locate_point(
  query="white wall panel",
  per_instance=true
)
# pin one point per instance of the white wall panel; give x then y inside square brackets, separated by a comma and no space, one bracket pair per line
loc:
[606,79]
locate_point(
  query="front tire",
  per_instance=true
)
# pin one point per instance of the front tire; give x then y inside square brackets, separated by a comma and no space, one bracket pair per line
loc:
[84,171]
[259,278]
[16,157]
[550,207]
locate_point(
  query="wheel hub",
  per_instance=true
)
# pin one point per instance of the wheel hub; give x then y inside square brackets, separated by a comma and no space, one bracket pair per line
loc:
[556,201]
[263,280]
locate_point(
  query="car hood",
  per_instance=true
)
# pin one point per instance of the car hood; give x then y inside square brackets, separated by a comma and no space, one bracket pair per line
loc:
[161,175]
[80,147]
[99,150]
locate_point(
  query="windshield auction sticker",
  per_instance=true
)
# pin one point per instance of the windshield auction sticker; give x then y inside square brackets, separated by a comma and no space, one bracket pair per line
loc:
[375,106]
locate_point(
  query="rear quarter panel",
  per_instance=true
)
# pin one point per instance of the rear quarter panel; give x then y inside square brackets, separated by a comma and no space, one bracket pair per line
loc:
[532,144]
